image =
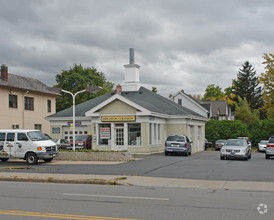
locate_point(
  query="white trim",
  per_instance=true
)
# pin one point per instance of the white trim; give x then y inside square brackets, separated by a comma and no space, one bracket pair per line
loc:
[92,112]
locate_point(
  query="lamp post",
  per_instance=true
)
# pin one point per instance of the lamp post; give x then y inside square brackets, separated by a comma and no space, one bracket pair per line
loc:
[93,89]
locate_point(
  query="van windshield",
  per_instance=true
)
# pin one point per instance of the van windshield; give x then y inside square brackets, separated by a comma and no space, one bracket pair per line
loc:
[37,136]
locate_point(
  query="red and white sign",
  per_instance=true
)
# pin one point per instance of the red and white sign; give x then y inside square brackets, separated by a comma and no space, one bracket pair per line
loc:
[105,133]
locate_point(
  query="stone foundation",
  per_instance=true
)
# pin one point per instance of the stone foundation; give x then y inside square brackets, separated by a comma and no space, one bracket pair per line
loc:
[95,156]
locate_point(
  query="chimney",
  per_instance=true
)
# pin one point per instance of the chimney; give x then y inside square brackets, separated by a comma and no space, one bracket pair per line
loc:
[131,55]
[118,89]
[4,73]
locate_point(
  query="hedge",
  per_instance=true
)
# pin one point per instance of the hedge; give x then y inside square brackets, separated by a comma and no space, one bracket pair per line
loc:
[216,130]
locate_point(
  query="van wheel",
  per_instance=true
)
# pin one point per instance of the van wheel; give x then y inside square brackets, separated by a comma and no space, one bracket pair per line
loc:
[31,158]
[48,160]
[4,159]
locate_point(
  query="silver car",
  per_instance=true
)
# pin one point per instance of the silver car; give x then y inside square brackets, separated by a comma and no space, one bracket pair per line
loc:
[269,150]
[178,144]
[219,144]
[262,145]
[236,149]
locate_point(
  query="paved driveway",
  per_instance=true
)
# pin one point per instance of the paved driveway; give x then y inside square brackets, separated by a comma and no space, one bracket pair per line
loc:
[204,165]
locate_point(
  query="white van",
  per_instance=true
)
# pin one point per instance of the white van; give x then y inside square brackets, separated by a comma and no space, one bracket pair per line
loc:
[29,145]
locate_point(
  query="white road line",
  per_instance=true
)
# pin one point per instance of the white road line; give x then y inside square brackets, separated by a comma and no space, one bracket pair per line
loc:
[120,197]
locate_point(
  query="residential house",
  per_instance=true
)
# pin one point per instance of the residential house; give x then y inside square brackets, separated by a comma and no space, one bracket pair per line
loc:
[25,102]
[220,110]
[183,99]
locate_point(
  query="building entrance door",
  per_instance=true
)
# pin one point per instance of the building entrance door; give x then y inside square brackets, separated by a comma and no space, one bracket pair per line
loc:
[119,142]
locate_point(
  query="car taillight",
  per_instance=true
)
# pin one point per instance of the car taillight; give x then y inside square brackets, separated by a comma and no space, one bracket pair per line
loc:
[269,145]
[165,143]
[185,144]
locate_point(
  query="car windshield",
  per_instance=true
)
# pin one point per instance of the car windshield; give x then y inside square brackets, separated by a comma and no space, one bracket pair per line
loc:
[242,143]
[263,142]
[176,138]
[80,138]
[54,140]
[37,136]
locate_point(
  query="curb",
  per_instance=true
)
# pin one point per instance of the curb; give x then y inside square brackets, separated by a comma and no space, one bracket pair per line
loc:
[141,181]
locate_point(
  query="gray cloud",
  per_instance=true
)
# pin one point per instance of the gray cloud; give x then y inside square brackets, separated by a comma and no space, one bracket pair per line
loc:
[179,44]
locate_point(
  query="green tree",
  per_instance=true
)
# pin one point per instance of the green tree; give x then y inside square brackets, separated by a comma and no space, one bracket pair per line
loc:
[79,78]
[267,79]
[154,89]
[213,93]
[244,113]
[246,86]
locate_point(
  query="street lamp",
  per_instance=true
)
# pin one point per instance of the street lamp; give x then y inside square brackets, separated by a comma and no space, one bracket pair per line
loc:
[93,89]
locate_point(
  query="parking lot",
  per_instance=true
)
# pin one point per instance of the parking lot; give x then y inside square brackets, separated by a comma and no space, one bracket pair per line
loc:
[203,165]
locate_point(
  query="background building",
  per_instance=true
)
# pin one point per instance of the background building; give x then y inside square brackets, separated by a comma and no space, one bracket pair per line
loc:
[25,102]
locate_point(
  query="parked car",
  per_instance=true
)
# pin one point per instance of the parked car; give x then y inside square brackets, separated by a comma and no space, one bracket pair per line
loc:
[178,144]
[247,140]
[219,144]
[269,150]
[81,141]
[61,143]
[262,145]
[235,149]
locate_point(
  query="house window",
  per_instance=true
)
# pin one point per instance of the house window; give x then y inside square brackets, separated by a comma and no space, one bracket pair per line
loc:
[12,101]
[49,105]
[29,103]
[134,134]
[180,101]
[38,127]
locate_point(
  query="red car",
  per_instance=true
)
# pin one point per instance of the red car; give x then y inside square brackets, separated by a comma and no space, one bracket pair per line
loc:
[81,142]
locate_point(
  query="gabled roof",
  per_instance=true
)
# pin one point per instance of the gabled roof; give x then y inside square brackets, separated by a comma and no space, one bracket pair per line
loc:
[189,97]
[218,107]
[29,84]
[143,97]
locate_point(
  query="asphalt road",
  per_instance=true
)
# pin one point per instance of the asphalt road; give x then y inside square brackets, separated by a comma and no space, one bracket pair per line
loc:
[204,165]
[29,201]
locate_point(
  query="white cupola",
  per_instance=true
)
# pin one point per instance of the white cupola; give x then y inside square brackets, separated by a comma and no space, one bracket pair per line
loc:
[131,82]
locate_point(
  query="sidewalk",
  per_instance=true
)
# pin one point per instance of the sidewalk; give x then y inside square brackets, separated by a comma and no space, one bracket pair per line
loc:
[138,181]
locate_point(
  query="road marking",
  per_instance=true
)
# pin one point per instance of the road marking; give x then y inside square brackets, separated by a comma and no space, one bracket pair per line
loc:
[59,216]
[120,197]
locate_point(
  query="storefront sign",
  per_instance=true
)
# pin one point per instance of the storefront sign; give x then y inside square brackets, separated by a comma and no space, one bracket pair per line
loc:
[118,118]
[76,123]
[105,133]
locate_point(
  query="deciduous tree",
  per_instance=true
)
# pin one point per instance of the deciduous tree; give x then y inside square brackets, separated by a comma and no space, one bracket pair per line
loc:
[76,79]
[213,93]
[267,79]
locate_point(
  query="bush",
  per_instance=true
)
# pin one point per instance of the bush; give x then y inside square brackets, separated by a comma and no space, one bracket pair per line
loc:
[256,131]
[224,129]
[260,130]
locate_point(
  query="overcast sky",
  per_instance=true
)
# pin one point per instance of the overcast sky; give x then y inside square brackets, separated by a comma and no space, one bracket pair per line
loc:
[179,44]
